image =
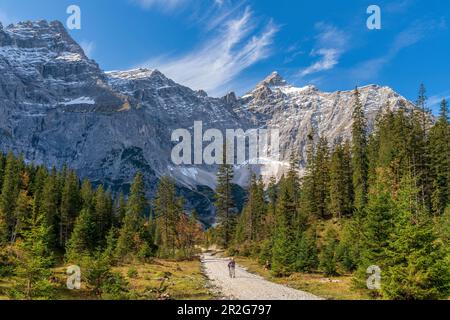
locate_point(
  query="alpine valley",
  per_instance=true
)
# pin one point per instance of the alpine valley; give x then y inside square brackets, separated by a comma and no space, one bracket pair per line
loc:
[59,107]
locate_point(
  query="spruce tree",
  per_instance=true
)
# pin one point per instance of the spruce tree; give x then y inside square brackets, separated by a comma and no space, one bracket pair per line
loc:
[103,214]
[49,206]
[283,250]
[328,254]
[359,153]
[70,206]
[416,267]
[129,239]
[340,181]
[322,178]
[377,225]
[9,194]
[439,145]
[82,240]
[34,261]
[168,209]
[225,206]
[307,254]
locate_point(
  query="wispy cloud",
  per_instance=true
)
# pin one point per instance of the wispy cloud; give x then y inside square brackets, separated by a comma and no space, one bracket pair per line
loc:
[331,43]
[410,36]
[234,47]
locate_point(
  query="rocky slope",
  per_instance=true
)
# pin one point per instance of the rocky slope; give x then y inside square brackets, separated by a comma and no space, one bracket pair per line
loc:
[58,107]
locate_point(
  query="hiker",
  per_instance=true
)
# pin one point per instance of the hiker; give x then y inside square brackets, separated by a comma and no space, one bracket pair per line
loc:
[267,266]
[232,268]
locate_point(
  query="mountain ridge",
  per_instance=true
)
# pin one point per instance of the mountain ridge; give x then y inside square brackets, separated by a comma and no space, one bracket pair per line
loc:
[58,107]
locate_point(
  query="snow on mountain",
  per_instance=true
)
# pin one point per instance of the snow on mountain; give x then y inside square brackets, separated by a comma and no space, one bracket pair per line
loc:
[58,107]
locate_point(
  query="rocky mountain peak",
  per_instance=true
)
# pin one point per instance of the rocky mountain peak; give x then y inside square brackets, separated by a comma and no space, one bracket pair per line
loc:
[41,35]
[273,80]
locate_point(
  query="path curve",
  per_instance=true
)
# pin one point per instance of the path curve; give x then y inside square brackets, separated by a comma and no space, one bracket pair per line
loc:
[247,286]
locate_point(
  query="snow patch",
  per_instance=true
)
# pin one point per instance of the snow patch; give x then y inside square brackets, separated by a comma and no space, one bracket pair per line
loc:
[80,100]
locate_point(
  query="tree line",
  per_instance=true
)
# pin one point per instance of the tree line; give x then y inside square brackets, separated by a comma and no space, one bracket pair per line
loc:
[50,217]
[381,199]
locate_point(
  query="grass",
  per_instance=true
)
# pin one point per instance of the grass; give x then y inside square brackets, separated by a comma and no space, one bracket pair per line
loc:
[160,279]
[333,288]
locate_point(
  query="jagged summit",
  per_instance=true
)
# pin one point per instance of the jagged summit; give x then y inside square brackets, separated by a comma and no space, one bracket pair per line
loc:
[273,80]
[40,34]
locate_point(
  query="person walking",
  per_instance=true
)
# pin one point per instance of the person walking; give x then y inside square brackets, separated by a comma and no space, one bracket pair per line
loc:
[232,268]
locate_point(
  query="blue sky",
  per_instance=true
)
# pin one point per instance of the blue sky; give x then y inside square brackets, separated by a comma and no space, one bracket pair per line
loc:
[224,45]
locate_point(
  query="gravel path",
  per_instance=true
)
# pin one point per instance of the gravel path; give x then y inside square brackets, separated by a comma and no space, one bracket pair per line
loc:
[247,286]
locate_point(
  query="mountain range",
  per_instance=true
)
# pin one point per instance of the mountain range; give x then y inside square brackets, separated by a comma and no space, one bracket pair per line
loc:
[59,107]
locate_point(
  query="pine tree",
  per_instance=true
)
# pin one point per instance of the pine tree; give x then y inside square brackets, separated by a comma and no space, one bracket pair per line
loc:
[70,206]
[34,261]
[120,208]
[87,195]
[328,254]
[225,207]
[129,239]
[22,213]
[308,201]
[168,209]
[322,178]
[82,240]
[49,206]
[377,225]
[9,194]
[420,152]
[340,181]
[359,153]
[416,266]
[439,144]
[307,254]
[283,250]
[103,214]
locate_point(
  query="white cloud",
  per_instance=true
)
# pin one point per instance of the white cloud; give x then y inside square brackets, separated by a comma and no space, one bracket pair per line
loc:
[88,47]
[331,43]
[237,46]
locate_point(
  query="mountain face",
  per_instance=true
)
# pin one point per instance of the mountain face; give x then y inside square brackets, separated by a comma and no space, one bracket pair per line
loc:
[58,107]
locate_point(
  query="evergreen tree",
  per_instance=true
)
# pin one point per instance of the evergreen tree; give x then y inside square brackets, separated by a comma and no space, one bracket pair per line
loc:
[359,153]
[120,208]
[129,239]
[70,206]
[225,207]
[49,206]
[34,261]
[416,266]
[307,254]
[82,240]
[340,181]
[328,254]
[103,214]
[377,224]
[322,178]
[9,194]
[283,251]
[168,209]
[439,144]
